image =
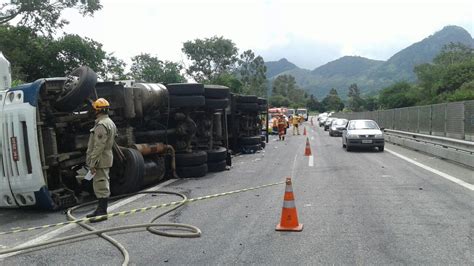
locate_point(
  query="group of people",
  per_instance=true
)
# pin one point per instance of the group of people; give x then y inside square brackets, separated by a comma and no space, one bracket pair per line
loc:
[280,124]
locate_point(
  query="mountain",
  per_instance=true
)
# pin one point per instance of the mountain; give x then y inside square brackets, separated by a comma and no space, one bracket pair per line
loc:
[276,67]
[370,75]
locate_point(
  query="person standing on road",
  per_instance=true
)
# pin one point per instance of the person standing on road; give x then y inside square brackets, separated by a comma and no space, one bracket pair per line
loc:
[281,127]
[99,157]
[295,121]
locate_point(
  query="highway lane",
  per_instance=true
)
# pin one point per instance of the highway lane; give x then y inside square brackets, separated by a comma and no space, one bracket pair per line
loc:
[358,207]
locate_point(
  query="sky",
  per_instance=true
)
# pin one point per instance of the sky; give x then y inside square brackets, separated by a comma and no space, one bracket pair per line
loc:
[307,33]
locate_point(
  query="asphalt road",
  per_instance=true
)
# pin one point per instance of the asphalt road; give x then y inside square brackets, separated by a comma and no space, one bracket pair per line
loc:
[362,207]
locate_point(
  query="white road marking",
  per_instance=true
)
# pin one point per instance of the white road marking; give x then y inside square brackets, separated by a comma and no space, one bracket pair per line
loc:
[69,227]
[311,161]
[444,175]
[293,167]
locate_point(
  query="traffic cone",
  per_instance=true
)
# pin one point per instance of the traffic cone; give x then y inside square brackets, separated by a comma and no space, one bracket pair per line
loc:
[289,217]
[304,131]
[307,150]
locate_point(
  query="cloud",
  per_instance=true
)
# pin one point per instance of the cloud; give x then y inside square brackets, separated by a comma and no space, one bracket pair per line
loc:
[308,33]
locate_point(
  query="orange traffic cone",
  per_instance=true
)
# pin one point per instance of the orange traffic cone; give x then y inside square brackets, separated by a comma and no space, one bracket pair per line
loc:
[289,217]
[307,150]
[304,131]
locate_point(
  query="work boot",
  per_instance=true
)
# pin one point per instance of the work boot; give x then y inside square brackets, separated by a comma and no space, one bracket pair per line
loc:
[101,210]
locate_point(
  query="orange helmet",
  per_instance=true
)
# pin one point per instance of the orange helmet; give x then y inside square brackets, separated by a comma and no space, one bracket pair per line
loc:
[100,104]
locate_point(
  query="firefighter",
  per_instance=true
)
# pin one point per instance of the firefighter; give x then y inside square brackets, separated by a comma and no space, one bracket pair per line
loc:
[275,124]
[281,127]
[295,121]
[99,157]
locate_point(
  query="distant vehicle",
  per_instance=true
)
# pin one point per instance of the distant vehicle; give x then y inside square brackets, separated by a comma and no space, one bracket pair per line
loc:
[336,127]
[322,120]
[290,112]
[327,123]
[303,112]
[362,133]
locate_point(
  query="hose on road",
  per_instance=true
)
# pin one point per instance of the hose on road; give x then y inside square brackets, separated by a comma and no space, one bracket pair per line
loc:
[189,231]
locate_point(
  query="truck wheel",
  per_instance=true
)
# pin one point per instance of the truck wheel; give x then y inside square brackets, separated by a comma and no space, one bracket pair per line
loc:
[127,177]
[217,103]
[250,140]
[250,107]
[247,99]
[381,148]
[262,101]
[191,159]
[262,107]
[217,154]
[187,101]
[217,166]
[216,91]
[185,88]
[192,171]
[79,85]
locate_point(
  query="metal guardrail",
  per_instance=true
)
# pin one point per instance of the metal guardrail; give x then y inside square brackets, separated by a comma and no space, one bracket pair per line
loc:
[459,145]
[447,148]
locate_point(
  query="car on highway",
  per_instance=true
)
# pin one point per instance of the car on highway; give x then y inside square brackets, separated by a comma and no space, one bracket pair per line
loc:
[322,120]
[328,122]
[362,133]
[337,126]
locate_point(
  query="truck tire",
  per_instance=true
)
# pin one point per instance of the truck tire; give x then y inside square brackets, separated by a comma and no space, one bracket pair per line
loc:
[217,154]
[249,107]
[216,103]
[250,148]
[192,171]
[261,101]
[250,140]
[217,166]
[187,101]
[191,159]
[262,107]
[247,99]
[185,88]
[75,92]
[216,91]
[127,177]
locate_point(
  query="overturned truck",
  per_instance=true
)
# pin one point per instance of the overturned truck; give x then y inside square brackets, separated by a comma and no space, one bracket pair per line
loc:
[173,131]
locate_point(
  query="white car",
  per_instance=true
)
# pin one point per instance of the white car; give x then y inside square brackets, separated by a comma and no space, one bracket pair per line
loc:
[362,133]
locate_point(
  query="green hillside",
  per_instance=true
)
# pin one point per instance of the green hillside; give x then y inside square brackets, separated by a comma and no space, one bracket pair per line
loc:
[370,75]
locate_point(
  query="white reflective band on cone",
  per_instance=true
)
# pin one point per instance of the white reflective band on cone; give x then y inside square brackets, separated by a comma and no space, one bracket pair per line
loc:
[289,204]
[288,189]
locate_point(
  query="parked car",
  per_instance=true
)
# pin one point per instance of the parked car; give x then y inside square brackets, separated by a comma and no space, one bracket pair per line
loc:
[322,120]
[336,127]
[327,123]
[362,133]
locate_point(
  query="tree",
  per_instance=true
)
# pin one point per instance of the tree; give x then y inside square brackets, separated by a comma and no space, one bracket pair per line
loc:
[44,15]
[72,51]
[313,104]
[278,100]
[332,102]
[356,103]
[396,96]
[210,57]
[371,103]
[450,69]
[33,56]
[114,68]
[231,81]
[252,72]
[150,69]
[285,86]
